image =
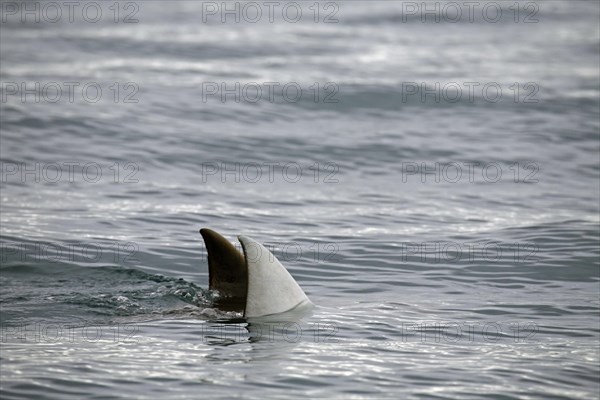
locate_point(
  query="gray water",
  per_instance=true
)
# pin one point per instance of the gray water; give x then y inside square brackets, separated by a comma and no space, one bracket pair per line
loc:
[450,243]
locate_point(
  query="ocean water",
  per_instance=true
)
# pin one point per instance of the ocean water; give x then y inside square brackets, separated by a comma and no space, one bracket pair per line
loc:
[428,173]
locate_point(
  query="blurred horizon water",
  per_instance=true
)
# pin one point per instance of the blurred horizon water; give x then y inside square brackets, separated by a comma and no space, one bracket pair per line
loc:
[427,171]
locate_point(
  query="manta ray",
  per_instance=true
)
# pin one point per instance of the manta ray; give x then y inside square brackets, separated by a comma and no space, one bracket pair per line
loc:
[253,282]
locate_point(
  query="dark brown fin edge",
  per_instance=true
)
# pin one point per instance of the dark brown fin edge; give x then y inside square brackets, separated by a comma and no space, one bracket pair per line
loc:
[227,271]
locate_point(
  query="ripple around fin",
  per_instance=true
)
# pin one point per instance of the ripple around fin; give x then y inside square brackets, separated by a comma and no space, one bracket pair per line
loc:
[95,293]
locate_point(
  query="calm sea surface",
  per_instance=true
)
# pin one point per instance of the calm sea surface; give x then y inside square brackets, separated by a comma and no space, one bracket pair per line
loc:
[430,178]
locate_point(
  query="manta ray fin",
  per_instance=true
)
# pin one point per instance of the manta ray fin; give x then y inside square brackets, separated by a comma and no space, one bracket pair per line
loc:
[271,288]
[254,283]
[227,271]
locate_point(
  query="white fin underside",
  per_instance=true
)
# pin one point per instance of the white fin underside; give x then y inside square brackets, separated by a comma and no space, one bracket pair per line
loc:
[271,288]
